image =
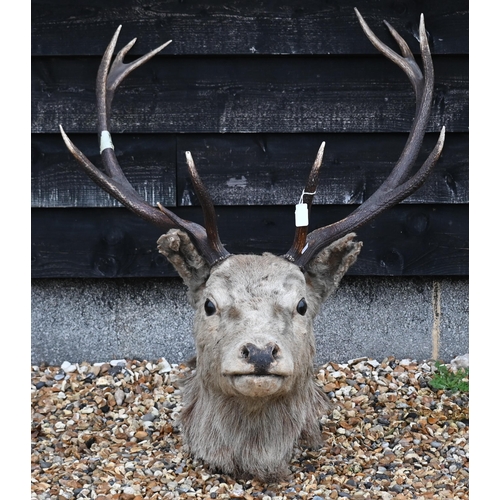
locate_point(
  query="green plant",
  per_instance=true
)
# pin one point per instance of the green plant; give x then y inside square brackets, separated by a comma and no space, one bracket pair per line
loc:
[444,378]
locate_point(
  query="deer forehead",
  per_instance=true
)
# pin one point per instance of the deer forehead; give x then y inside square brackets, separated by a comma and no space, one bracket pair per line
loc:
[244,278]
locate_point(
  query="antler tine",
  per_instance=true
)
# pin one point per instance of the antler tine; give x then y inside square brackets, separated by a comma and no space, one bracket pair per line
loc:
[422,86]
[299,241]
[119,70]
[210,218]
[125,193]
[406,63]
[398,185]
[109,76]
[113,181]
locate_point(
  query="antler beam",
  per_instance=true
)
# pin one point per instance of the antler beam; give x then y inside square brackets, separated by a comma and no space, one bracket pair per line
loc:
[111,73]
[399,184]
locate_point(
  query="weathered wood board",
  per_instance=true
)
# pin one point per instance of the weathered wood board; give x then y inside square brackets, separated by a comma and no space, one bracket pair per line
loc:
[252,89]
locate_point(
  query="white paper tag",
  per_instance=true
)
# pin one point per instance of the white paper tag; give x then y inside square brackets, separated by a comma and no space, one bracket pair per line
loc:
[301,215]
[105,142]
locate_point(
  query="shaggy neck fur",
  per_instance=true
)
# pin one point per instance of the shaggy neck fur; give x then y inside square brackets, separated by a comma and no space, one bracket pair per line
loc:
[244,437]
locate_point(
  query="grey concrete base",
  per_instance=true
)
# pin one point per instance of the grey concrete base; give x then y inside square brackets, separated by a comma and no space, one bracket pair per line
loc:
[100,320]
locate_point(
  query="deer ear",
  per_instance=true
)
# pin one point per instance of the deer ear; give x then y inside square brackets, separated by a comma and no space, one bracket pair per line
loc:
[324,272]
[194,270]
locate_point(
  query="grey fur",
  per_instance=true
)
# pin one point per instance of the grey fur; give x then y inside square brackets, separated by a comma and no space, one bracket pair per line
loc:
[239,423]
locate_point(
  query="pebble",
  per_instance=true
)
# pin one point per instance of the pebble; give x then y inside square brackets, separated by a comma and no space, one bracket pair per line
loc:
[119,397]
[164,366]
[68,367]
[115,436]
[118,362]
[460,362]
[149,417]
[140,435]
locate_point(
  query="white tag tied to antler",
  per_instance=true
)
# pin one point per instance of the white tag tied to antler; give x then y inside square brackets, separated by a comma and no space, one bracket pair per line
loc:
[302,211]
[301,215]
[105,141]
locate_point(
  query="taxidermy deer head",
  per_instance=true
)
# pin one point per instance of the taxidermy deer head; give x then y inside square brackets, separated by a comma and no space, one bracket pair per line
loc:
[252,397]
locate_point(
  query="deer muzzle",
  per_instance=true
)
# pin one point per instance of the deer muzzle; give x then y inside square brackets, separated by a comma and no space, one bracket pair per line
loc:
[260,359]
[258,369]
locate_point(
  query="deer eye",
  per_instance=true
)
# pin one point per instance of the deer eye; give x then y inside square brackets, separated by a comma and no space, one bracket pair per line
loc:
[210,308]
[302,307]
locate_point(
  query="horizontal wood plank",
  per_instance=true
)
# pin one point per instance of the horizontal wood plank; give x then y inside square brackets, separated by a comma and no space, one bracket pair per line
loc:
[112,242]
[249,95]
[242,169]
[149,163]
[248,169]
[251,88]
[60,27]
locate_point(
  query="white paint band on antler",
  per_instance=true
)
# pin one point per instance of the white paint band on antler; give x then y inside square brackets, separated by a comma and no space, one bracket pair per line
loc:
[105,141]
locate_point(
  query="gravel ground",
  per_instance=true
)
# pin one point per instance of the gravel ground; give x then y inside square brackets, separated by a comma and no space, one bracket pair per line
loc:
[110,431]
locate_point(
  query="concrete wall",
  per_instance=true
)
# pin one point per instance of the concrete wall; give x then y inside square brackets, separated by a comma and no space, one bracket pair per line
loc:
[99,320]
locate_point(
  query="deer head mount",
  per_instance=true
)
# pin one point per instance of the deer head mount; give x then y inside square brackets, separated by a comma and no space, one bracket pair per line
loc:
[252,397]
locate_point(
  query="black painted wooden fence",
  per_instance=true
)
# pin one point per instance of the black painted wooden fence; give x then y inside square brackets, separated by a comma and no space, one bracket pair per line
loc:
[252,89]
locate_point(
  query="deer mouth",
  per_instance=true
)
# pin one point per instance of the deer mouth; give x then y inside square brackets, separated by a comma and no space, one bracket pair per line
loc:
[257,385]
[256,375]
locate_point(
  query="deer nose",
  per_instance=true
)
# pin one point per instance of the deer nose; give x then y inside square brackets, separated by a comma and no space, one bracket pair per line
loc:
[260,358]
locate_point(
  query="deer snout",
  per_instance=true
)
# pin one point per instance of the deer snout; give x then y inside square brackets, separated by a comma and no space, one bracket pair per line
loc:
[258,369]
[260,357]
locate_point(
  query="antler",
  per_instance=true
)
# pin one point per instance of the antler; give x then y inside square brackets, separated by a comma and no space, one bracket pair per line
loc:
[113,181]
[399,185]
